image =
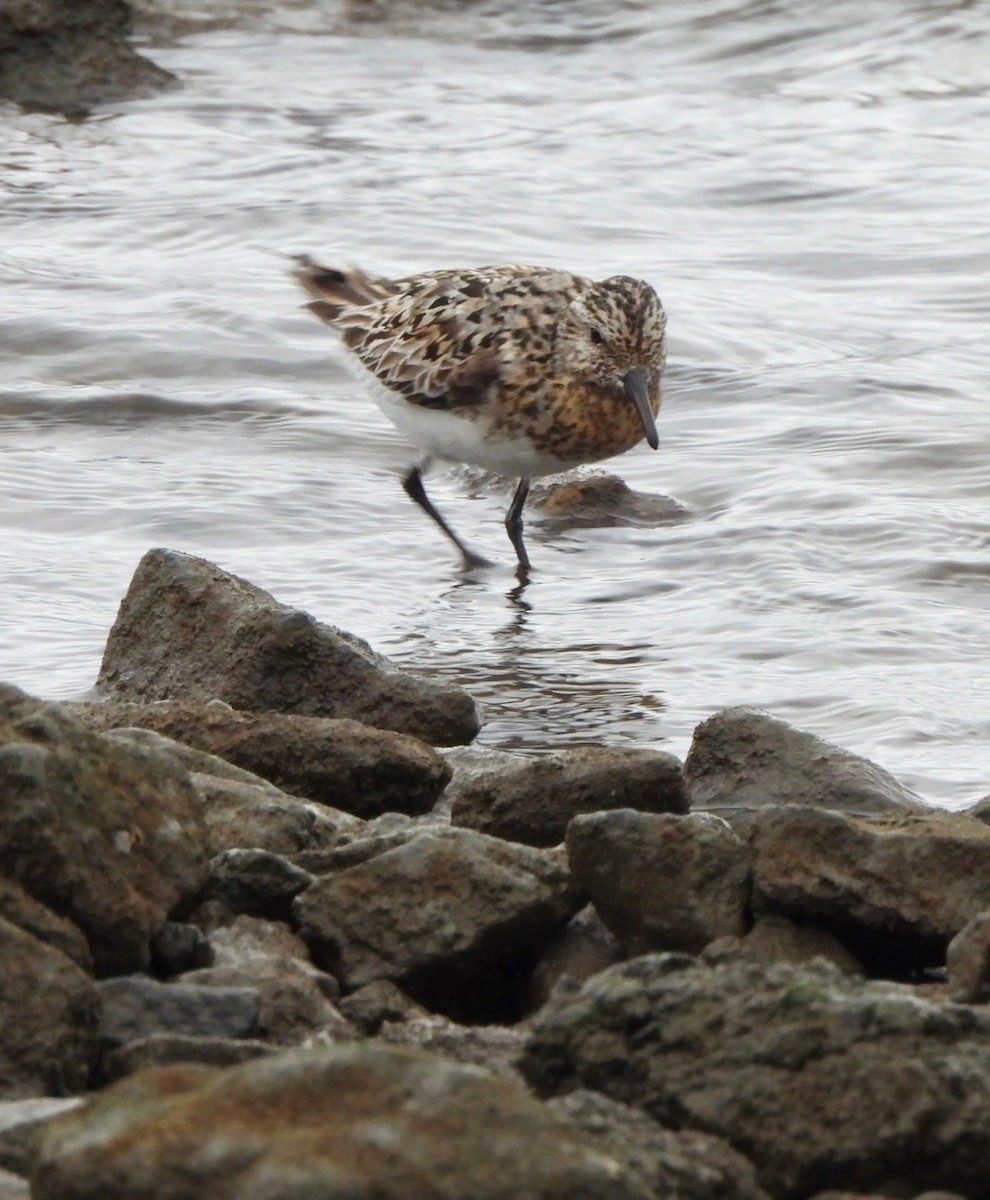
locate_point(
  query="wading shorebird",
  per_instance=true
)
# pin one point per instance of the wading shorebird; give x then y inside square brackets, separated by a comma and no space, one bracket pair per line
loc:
[522,371]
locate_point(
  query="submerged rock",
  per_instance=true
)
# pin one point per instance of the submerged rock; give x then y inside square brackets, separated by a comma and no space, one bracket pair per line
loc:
[743,760]
[69,55]
[340,1123]
[813,1075]
[188,630]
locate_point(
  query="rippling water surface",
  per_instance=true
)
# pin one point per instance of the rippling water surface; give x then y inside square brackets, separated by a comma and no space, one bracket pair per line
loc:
[808,188]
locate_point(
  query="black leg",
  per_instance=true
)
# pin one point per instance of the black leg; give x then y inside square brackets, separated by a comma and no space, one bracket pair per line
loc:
[514,523]
[413,485]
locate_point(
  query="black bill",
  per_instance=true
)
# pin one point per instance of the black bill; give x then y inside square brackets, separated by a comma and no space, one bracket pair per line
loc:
[637,385]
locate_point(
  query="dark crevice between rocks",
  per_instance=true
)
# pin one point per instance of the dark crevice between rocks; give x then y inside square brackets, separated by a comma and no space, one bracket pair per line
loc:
[497,995]
[901,954]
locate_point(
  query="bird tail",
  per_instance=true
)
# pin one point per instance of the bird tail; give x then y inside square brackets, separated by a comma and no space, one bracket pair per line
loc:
[335,290]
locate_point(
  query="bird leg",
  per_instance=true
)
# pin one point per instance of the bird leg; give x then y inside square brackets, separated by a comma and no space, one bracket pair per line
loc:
[514,523]
[412,484]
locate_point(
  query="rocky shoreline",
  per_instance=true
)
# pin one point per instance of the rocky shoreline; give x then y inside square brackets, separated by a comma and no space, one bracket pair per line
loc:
[270,928]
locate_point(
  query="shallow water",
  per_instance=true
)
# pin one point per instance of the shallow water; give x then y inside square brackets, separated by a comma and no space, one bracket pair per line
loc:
[806,186]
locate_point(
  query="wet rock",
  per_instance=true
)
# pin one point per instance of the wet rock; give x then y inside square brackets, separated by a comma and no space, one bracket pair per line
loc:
[581,949]
[167,1049]
[341,763]
[69,55]
[967,961]
[136,1007]
[743,760]
[813,1075]
[109,836]
[49,1009]
[188,630]
[894,890]
[298,1123]
[179,947]
[455,917]
[24,911]
[531,800]
[661,882]
[370,1006]
[296,998]
[775,939]
[672,1165]
[593,501]
[257,882]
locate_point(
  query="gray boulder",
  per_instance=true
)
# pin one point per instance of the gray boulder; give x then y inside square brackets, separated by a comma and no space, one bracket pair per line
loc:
[743,760]
[134,1006]
[661,882]
[188,630]
[531,800]
[815,1076]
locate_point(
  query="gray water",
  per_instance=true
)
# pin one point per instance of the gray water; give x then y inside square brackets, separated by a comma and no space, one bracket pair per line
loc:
[806,185]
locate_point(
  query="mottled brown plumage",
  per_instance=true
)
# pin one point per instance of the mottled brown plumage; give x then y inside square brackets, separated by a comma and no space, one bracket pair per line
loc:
[524,371]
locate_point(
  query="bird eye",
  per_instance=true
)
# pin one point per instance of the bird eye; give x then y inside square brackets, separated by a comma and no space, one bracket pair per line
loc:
[597,337]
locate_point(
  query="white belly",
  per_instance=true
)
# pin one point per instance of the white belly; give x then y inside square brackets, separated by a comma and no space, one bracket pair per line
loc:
[460,439]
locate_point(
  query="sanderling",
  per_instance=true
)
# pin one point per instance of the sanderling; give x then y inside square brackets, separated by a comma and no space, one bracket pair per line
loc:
[523,371]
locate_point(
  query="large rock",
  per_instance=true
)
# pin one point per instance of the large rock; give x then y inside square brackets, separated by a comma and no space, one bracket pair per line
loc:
[71,54]
[678,1164]
[188,630]
[243,811]
[531,800]
[661,882]
[341,763]
[438,914]
[49,1011]
[343,1123]
[813,1075]
[109,836]
[135,1007]
[894,890]
[742,759]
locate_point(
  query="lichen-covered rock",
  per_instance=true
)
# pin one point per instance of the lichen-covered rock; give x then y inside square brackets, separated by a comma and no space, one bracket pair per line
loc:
[109,836]
[893,889]
[340,1123]
[437,915]
[815,1076]
[69,55]
[340,763]
[134,1007]
[661,882]
[49,1011]
[188,630]
[743,760]
[531,800]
